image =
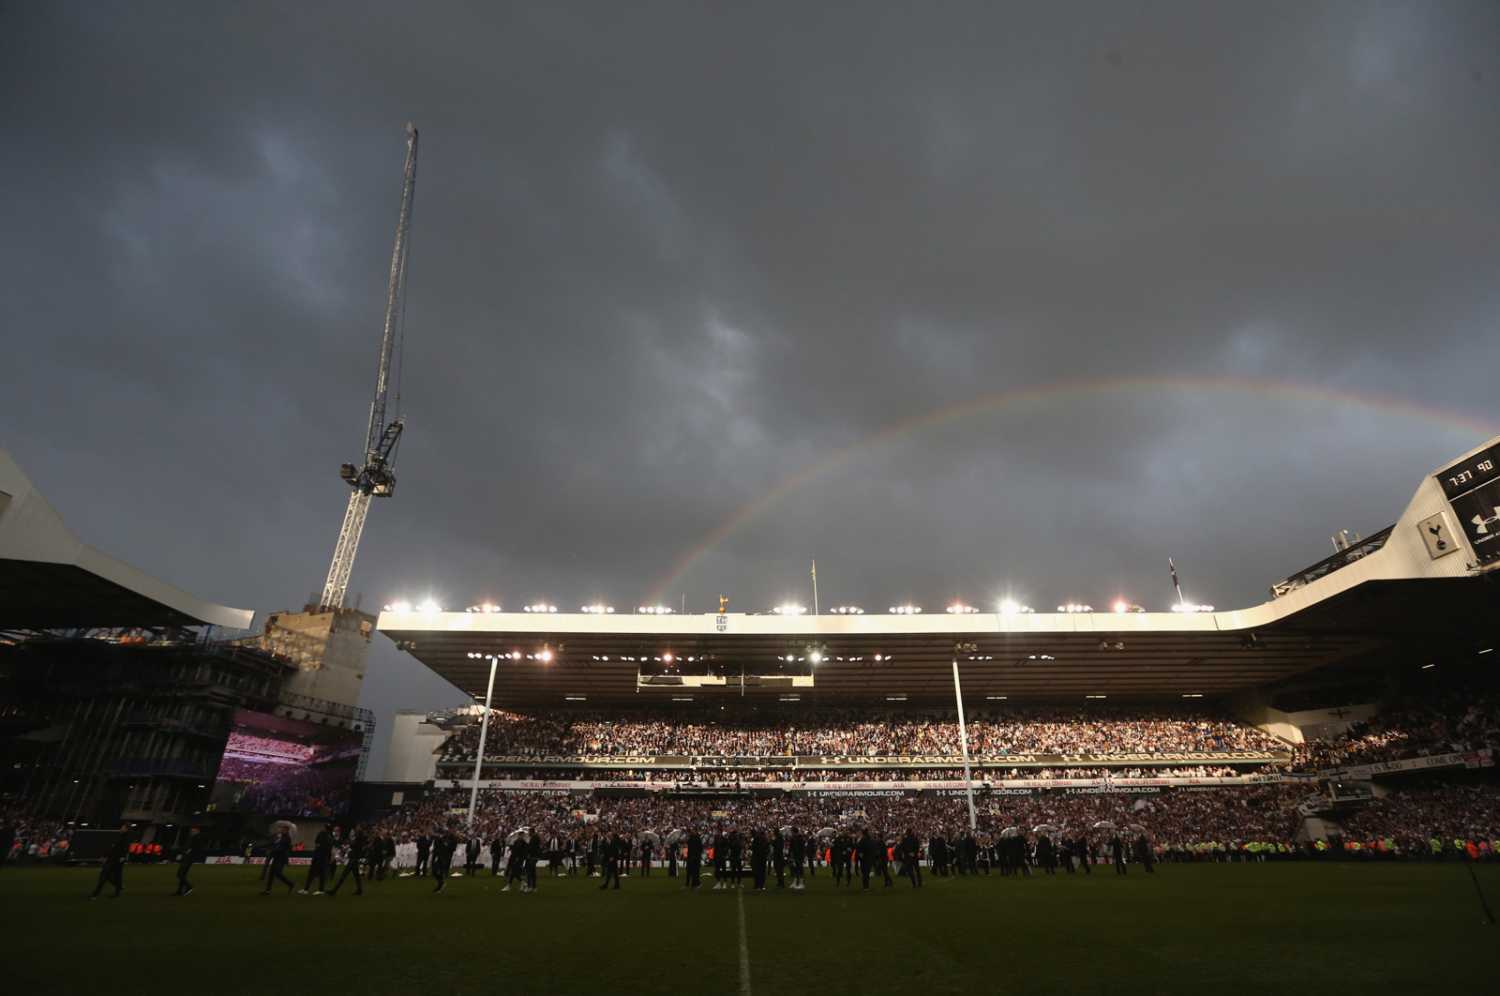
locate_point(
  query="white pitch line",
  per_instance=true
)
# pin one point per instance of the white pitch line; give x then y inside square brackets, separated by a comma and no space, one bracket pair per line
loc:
[744,947]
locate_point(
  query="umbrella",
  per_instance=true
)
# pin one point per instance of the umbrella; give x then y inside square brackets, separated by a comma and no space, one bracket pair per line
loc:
[785,831]
[1044,828]
[515,835]
[652,836]
[1136,827]
[286,825]
[827,832]
[675,836]
[1105,825]
[1011,832]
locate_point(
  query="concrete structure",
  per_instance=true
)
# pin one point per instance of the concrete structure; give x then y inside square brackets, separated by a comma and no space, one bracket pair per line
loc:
[412,756]
[329,648]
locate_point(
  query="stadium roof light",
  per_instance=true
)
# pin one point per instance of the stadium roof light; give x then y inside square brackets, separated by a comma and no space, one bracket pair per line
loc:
[1121,606]
[1011,607]
[400,605]
[895,698]
[596,609]
[1192,695]
[682,698]
[789,698]
[575,698]
[1071,607]
[1486,650]
[960,609]
[906,610]
[1427,666]
[816,656]
[654,610]
[848,610]
[789,609]
[545,655]
[667,657]
[996,698]
[878,658]
[1191,607]
[430,605]
[1096,696]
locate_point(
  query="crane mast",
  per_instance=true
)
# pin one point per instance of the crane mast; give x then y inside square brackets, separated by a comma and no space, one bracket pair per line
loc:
[375,477]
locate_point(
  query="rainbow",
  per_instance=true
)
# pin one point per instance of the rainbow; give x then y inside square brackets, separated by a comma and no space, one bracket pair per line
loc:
[997,401]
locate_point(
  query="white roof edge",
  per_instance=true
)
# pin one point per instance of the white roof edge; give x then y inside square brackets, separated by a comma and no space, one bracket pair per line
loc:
[31,529]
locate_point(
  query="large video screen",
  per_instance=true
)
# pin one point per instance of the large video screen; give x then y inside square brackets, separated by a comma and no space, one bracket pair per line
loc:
[286,768]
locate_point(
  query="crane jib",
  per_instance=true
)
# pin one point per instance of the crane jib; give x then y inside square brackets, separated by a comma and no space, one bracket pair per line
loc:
[377,477]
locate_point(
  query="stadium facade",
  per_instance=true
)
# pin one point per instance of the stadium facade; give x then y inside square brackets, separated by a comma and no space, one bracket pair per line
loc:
[1333,641]
[120,693]
[1426,585]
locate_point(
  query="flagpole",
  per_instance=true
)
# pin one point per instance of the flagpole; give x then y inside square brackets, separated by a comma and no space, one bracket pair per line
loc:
[1173,568]
[815,586]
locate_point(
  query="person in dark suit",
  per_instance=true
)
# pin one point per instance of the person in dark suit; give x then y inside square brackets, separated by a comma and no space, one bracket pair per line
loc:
[615,851]
[778,857]
[760,855]
[533,854]
[444,846]
[277,860]
[736,857]
[113,870]
[694,860]
[646,851]
[721,859]
[192,854]
[471,854]
[424,848]
[497,848]
[798,852]
[1117,851]
[869,849]
[322,855]
[910,852]
[352,860]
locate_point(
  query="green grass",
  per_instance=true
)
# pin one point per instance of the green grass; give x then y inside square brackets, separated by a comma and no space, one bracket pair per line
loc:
[1202,929]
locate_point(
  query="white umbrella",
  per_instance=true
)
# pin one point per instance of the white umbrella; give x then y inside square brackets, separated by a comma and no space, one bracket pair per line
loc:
[1136,827]
[286,825]
[828,832]
[1105,825]
[651,836]
[786,831]
[1011,832]
[675,836]
[516,835]
[1044,828]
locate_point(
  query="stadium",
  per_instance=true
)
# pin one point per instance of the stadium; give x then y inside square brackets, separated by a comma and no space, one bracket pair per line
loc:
[957,303]
[1339,736]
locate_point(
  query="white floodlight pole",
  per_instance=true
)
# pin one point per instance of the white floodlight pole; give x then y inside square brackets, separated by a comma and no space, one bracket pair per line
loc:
[963,742]
[484,729]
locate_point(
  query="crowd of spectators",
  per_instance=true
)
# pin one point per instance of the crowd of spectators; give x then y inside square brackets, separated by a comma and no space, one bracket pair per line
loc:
[789,775]
[1415,818]
[1100,730]
[1455,722]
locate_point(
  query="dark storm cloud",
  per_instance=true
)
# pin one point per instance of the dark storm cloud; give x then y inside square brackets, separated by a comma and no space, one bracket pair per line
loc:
[665,256]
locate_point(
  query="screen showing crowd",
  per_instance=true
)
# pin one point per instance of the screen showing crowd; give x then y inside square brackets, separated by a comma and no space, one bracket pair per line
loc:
[285,767]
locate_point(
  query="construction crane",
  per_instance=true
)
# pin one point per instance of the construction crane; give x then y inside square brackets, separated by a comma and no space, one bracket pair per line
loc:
[376,476]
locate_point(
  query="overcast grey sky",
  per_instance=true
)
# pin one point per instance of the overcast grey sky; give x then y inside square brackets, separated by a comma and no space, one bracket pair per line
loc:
[666,256]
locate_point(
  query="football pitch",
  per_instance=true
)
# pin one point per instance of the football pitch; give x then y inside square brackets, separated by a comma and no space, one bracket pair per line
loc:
[1202,928]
